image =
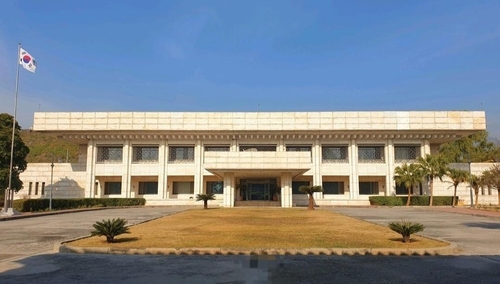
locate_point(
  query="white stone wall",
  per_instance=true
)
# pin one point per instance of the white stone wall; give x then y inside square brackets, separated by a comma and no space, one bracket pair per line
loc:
[259,121]
[68,180]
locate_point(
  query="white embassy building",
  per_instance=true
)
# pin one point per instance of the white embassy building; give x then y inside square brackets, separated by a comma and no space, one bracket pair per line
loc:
[244,158]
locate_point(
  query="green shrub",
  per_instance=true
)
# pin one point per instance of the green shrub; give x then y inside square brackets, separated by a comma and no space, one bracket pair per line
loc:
[406,229]
[36,205]
[110,229]
[417,200]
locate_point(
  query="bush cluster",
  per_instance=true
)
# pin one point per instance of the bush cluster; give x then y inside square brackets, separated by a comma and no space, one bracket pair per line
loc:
[35,205]
[415,200]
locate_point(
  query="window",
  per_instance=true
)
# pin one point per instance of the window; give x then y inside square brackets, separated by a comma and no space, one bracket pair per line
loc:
[258,148]
[334,154]
[183,187]
[30,188]
[335,187]
[406,153]
[371,153]
[109,153]
[298,148]
[145,154]
[181,154]
[216,148]
[366,188]
[215,187]
[43,188]
[148,187]
[296,185]
[36,188]
[401,189]
[114,187]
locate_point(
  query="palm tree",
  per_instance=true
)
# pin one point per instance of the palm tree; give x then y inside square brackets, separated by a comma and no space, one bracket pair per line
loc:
[492,178]
[110,229]
[408,175]
[205,198]
[310,190]
[476,182]
[433,167]
[457,177]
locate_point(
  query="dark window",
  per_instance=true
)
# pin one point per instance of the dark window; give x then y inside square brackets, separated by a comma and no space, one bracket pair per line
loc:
[36,188]
[148,187]
[180,154]
[406,153]
[216,148]
[30,188]
[367,188]
[258,148]
[43,188]
[298,148]
[145,154]
[215,187]
[335,187]
[401,189]
[371,153]
[109,153]
[296,185]
[114,187]
[183,187]
[334,153]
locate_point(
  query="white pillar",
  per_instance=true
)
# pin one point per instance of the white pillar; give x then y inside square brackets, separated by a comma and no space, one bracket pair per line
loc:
[198,168]
[353,170]
[281,146]
[286,190]
[90,178]
[162,170]
[425,148]
[126,178]
[389,180]
[228,190]
[316,161]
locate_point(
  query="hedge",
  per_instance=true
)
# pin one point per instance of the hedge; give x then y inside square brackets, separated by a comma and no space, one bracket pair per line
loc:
[415,200]
[34,205]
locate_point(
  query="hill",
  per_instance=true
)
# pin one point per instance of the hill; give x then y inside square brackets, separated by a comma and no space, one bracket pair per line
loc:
[45,148]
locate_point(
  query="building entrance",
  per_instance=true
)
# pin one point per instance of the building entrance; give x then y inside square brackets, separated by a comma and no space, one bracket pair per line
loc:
[257,189]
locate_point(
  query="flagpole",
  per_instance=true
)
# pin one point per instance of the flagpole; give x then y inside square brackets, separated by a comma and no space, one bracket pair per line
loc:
[9,191]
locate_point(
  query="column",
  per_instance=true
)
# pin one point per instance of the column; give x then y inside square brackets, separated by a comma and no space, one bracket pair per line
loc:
[162,170]
[389,180]
[425,148]
[353,170]
[90,178]
[198,168]
[316,161]
[281,146]
[126,178]
[234,145]
[228,190]
[286,190]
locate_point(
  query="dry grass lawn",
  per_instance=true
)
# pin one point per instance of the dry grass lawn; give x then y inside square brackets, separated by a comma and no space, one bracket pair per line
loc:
[250,228]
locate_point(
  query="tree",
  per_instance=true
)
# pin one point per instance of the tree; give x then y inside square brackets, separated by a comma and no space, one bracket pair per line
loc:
[110,229]
[433,166]
[205,198]
[310,190]
[406,229]
[408,176]
[475,147]
[457,177]
[476,182]
[492,178]
[19,163]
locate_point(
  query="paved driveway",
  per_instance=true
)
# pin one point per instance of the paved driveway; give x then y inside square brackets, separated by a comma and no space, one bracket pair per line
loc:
[474,234]
[29,236]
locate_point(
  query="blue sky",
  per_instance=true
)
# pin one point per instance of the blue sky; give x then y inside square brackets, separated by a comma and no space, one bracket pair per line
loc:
[252,56]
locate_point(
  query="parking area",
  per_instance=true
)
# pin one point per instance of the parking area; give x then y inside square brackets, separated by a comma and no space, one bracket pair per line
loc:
[26,246]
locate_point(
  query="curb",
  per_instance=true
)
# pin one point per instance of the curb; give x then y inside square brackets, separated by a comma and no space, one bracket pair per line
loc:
[33,215]
[452,249]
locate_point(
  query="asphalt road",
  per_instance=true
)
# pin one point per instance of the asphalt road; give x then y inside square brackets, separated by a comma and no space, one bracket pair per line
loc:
[473,234]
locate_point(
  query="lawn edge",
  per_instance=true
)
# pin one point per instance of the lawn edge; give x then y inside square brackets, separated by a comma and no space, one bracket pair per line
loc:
[451,249]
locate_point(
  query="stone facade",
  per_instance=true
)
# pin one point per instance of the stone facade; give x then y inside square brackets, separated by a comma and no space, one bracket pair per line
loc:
[168,158]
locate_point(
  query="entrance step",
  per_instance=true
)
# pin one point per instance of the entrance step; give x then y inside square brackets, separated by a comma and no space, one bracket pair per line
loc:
[258,203]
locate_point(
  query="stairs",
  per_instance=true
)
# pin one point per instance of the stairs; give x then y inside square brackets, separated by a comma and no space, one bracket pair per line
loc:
[257,203]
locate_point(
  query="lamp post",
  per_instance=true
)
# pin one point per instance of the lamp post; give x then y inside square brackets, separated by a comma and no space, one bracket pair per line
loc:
[51,183]
[470,183]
